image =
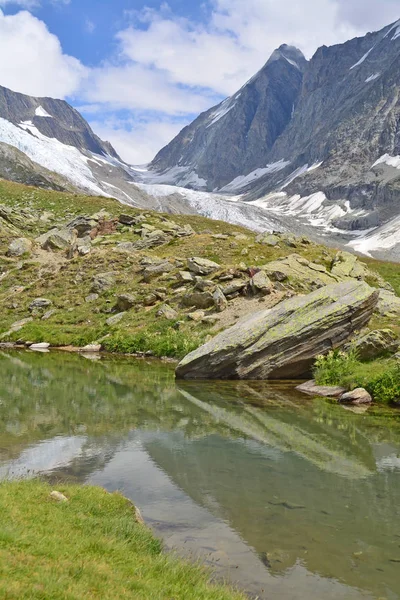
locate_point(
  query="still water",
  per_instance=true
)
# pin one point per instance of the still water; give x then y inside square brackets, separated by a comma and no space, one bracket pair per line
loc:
[290,498]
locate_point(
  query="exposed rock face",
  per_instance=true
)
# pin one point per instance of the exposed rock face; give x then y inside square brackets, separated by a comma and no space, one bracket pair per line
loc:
[283,342]
[242,129]
[293,132]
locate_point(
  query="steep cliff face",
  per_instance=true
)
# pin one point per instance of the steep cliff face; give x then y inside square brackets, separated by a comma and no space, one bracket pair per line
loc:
[323,145]
[54,119]
[237,136]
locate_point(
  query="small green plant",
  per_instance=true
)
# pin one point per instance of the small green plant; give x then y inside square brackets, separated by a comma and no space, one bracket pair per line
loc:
[386,387]
[332,368]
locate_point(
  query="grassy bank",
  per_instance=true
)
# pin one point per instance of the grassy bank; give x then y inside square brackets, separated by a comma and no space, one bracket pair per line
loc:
[89,547]
[381,378]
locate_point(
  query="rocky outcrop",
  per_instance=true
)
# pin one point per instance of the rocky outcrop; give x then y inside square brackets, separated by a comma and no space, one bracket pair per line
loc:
[282,342]
[375,344]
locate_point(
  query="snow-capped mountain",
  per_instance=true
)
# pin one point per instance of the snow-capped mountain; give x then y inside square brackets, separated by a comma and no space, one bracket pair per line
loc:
[47,143]
[314,141]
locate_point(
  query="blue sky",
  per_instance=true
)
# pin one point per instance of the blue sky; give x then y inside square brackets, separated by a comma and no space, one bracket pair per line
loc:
[140,70]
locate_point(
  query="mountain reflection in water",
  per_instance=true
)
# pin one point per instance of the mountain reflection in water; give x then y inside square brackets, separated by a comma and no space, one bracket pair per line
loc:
[290,497]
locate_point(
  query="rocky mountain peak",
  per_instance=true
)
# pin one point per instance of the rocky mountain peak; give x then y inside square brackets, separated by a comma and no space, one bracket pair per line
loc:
[291,54]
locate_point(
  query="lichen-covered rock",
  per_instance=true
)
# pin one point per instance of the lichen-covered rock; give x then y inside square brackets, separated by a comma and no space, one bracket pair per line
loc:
[268,239]
[347,265]
[19,247]
[202,266]
[388,304]
[299,270]
[282,342]
[376,343]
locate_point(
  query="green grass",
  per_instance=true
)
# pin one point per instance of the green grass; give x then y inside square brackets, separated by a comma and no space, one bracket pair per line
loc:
[381,378]
[90,547]
[67,283]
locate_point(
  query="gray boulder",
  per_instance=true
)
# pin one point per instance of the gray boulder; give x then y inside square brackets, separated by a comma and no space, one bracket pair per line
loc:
[115,319]
[156,270]
[57,239]
[167,312]
[102,282]
[220,302]
[202,266]
[125,302]
[261,283]
[199,300]
[376,343]
[40,303]
[19,247]
[281,343]
[357,396]
[326,391]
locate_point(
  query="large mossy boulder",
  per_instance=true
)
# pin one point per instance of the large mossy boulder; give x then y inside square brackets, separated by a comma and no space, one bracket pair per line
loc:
[281,343]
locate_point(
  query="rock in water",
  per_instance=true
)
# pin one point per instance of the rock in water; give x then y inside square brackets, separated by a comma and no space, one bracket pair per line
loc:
[357,396]
[282,342]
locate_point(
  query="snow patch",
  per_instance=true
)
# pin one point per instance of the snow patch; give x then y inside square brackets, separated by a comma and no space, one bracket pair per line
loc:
[292,62]
[362,59]
[396,34]
[372,77]
[41,112]
[49,153]
[180,176]
[392,161]
[215,206]
[243,180]
[381,238]
[222,110]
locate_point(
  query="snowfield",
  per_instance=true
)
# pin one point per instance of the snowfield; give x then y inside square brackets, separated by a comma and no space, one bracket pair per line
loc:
[49,153]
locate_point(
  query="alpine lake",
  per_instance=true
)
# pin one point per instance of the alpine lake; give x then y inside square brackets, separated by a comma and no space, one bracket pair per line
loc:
[285,496]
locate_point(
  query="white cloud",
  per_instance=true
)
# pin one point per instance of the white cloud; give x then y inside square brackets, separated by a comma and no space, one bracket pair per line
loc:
[134,86]
[21,3]
[138,142]
[30,4]
[32,60]
[239,36]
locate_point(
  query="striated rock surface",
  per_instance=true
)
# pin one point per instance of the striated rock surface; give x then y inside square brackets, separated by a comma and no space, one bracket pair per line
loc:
[282,342]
